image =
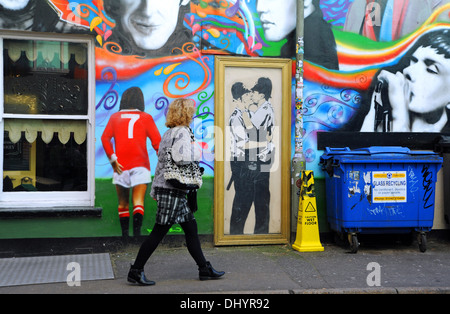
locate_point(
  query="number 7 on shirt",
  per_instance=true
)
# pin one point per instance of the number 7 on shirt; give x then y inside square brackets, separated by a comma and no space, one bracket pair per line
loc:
[133,118]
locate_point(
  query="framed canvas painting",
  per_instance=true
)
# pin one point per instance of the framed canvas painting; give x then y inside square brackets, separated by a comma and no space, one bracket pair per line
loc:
[252,149]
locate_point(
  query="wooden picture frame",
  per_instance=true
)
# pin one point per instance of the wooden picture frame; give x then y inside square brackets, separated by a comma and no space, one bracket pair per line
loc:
[252,150]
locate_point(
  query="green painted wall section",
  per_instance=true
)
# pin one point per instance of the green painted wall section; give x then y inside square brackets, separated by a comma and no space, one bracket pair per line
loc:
[108,224]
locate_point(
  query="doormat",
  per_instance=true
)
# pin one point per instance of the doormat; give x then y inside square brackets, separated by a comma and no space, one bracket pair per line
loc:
[51,269]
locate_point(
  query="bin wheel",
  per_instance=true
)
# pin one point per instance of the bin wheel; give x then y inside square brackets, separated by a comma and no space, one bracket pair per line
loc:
[422,239]
[354,244]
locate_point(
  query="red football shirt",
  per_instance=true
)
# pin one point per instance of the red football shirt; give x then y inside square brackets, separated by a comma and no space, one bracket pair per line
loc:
[130,130]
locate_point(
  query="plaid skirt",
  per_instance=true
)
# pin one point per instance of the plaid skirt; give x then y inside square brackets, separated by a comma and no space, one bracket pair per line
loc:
[172,207]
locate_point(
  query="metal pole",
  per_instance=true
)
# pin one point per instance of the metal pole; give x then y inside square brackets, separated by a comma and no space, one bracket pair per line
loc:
[298,163]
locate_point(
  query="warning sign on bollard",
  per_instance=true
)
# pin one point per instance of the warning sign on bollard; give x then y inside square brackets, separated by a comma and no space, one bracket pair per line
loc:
[308,239]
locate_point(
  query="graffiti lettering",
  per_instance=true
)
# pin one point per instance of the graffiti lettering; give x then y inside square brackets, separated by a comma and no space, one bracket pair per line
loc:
[388,211]
[427,186]
[412,181]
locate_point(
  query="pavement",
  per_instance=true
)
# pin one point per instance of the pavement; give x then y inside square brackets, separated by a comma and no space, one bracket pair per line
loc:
[379,267]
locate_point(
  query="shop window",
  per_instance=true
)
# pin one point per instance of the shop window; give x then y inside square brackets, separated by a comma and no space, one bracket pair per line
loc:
[47,147]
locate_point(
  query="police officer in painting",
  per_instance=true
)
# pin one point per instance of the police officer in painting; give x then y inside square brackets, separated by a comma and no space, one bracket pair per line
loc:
[251,125]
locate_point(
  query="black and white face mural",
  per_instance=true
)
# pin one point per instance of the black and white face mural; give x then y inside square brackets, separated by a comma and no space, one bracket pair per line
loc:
[413,95]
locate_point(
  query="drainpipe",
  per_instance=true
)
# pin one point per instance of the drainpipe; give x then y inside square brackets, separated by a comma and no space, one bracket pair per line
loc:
[298,163]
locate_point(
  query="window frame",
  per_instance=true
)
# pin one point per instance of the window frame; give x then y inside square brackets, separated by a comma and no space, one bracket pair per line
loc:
[67,199]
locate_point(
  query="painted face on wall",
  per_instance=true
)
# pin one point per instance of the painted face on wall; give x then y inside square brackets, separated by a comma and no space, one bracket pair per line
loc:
[278,18]
[426,81]
[14,4]
[150,23]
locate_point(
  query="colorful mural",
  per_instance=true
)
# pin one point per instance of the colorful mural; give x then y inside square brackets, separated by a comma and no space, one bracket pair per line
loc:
[379,64]
[167,49]
[177,63]
[168,61]
[357,54]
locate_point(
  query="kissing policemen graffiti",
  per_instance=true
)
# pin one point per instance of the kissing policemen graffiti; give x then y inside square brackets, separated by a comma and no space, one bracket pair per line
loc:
[252,152]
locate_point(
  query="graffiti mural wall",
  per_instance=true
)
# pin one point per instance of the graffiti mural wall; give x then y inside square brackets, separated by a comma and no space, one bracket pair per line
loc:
[368,65]
[167,49]
[393,64]
[173,59]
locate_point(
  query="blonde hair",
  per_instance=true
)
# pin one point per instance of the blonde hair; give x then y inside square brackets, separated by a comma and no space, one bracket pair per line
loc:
[180,112]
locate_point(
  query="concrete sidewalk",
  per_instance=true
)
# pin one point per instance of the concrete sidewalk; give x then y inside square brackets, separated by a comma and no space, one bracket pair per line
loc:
[277,269]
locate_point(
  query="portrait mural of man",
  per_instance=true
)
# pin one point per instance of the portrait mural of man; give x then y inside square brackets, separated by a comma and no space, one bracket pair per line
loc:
[395,86]
[411,96]
[278,20]
[148,27]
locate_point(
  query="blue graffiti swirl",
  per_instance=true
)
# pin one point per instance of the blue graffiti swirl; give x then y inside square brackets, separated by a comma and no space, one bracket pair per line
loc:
[111,97]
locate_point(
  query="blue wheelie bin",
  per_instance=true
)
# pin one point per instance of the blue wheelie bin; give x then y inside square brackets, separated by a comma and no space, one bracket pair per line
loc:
[380,190]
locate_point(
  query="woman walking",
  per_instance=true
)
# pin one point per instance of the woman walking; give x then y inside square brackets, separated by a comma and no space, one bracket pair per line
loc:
[172,203]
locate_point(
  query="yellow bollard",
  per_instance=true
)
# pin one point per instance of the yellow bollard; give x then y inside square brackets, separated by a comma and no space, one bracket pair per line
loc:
[307,239]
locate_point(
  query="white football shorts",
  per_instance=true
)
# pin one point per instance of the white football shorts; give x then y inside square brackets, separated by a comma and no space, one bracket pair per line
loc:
[132,177]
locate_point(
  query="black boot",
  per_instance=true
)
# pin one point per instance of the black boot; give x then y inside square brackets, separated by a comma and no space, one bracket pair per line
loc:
[138,276]
[208,272]
[137,224]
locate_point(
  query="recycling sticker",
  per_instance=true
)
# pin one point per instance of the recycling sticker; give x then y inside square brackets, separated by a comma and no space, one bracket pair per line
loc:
[389,186]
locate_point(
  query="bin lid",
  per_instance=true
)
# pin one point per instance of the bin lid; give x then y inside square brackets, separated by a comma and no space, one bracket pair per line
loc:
[371,150]
[380,153]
